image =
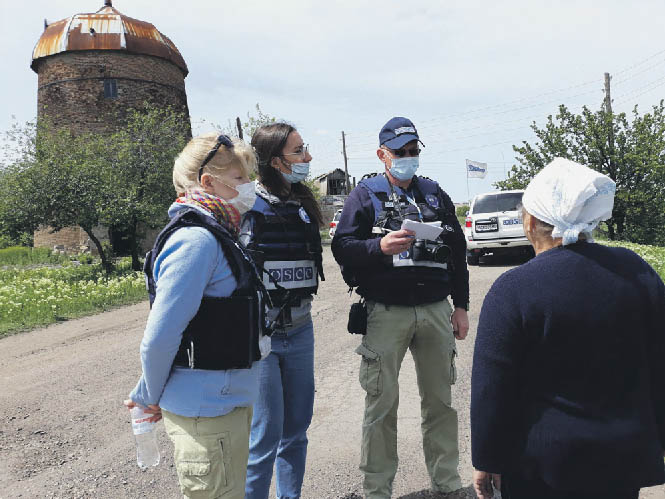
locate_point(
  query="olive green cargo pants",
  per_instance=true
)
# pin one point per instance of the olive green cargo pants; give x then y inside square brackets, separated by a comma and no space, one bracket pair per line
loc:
[211,453]
[425,330]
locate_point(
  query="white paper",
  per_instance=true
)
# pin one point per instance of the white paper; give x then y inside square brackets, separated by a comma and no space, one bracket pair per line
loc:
[422,230]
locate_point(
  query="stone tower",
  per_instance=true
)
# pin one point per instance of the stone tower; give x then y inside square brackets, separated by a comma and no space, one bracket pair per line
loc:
[91,69]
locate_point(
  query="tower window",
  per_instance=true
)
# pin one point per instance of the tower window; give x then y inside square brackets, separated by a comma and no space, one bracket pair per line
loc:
[110,89]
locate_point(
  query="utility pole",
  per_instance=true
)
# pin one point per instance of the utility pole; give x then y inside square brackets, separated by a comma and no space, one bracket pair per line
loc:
[608,100]
[610,132]
[346,166]
[611,166]
[239,126]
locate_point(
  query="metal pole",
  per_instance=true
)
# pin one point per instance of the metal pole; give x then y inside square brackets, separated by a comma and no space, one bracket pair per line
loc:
[468,194]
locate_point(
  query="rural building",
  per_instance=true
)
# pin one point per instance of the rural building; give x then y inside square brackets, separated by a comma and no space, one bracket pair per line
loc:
[332,190]
[94,67]
[333,183]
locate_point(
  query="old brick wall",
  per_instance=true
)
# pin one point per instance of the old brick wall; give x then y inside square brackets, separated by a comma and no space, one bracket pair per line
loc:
[71,87]
[70,239]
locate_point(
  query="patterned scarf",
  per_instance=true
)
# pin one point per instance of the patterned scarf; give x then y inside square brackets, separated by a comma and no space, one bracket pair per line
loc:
[224,212]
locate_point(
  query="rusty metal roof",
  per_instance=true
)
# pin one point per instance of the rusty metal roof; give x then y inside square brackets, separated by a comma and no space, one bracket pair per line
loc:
[106,29]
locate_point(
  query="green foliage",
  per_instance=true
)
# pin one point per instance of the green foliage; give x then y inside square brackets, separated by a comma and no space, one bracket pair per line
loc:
[21,255]
[19,239]
[630,151]
[32,297]
[85,258]
[122,180]
[460,211]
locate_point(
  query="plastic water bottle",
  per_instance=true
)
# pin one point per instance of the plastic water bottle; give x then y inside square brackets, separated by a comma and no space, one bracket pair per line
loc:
[147,450]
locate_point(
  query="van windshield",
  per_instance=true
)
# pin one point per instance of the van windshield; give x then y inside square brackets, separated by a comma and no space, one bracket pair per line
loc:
[492,203]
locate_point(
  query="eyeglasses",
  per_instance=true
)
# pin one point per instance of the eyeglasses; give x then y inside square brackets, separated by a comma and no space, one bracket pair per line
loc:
[400,153]
[303,150]
[221,140]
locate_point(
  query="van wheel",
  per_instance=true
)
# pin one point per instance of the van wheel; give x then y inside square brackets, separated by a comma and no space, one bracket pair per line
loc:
[472,259]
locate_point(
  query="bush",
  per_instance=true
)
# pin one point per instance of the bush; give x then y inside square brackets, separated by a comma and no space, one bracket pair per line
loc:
[460,211]
[22,255]
[85,258]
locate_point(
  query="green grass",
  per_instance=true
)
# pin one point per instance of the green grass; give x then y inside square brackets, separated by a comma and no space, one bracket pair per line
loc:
[23,255]
[31,297]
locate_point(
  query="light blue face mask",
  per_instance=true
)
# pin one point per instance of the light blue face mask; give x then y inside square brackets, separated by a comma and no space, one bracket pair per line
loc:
[299,172]
[404,168]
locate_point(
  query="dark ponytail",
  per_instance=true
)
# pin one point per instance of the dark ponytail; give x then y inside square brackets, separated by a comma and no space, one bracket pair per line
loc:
[269,142]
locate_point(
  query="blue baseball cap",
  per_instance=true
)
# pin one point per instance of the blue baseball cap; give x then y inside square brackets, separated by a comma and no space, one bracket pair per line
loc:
[397,132]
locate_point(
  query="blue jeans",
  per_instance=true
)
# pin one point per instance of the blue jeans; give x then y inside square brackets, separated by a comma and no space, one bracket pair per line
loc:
[282,415]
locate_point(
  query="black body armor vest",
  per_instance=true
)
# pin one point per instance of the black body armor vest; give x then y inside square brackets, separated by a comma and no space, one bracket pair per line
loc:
[283,240]
[224,333]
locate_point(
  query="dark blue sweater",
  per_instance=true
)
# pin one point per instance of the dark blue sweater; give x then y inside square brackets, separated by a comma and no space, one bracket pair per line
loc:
[569,371]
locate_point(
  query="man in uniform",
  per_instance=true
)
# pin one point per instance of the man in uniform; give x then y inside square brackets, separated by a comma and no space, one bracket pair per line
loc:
[406,282]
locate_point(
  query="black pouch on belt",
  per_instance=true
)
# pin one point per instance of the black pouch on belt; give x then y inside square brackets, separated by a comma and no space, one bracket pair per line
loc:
[358,318]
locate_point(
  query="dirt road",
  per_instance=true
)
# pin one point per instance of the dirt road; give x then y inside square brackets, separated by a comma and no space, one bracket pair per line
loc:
[65,434]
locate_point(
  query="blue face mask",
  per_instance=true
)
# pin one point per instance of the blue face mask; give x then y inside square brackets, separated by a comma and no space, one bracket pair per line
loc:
[299,172]
[404,168]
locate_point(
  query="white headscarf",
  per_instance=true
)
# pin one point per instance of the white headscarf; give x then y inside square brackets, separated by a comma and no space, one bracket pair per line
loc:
[571,197]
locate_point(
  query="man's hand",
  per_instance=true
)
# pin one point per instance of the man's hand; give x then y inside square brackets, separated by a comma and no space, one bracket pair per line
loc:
[484,484]
[397,241]
[460,322]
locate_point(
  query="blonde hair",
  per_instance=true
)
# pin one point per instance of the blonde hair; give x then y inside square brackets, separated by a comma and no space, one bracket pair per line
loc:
[188,162]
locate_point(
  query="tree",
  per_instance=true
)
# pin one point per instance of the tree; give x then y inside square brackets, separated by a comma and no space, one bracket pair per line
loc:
[138,165]
[52,182]
[122,181]
[630,152]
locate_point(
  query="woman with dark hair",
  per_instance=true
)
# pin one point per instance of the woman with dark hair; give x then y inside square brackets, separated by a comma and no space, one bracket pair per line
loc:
[282,233]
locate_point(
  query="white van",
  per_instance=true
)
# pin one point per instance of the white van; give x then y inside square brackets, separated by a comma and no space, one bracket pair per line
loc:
[493,225]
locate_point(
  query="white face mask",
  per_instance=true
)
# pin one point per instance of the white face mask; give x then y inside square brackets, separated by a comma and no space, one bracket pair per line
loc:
[246,197]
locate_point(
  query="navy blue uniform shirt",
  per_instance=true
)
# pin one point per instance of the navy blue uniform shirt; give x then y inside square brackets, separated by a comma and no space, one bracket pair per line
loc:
[355,246]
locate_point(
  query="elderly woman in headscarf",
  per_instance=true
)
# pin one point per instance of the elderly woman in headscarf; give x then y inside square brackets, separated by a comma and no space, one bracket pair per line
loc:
[568,384]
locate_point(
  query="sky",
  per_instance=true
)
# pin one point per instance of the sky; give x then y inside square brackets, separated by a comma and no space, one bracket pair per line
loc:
[472,76]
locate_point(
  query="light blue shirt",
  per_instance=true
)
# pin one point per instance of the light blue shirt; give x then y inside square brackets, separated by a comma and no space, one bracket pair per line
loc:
[191,265]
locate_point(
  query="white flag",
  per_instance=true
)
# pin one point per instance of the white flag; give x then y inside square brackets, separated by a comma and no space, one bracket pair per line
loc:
[476,169]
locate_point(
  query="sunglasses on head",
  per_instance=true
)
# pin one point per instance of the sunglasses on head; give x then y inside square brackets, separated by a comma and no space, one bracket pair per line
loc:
[221,140]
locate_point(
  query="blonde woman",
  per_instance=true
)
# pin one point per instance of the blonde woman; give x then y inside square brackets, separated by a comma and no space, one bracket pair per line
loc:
[203,335]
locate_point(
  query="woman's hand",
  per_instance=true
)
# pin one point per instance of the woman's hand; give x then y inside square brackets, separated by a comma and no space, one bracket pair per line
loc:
[484,483]
[155,410]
